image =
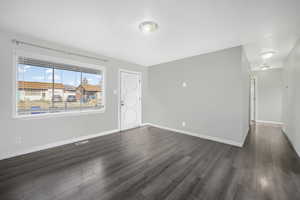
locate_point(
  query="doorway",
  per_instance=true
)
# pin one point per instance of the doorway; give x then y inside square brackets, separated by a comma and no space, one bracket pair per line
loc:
[253,101]
[130,105]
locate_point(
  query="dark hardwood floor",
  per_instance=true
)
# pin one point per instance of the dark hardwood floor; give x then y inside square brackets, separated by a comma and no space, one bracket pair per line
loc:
[149,163]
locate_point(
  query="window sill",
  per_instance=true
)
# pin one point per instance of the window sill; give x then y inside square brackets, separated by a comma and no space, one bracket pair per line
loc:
[62,114]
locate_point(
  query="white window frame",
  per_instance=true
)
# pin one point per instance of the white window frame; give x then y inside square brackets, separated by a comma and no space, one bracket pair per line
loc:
[21,53]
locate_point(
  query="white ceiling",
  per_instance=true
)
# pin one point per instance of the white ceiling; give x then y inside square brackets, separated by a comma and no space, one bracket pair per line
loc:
[186,28]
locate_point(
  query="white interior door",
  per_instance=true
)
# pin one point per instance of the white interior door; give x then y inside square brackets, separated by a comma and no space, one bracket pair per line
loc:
[130,99]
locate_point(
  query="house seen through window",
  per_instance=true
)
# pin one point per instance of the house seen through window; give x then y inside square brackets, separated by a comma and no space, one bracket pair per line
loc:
[44,87]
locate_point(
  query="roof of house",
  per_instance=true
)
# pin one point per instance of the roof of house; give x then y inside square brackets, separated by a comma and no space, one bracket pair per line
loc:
[70,87]
[39,85]
[43,85]
[91,88]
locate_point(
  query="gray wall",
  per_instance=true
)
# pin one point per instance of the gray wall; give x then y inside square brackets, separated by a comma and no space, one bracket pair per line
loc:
[245,94]
[291,97]
[269,95]
[39,132]
[215,101]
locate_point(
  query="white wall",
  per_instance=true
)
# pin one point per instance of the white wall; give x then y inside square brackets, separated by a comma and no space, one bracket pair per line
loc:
[215,102]
[291,97]
[39,132]
[269,85]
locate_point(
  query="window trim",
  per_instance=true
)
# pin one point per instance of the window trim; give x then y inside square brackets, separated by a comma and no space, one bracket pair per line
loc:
[21,53]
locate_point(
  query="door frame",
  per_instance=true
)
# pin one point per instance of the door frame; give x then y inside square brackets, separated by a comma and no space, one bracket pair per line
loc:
[253,99]
[119,96]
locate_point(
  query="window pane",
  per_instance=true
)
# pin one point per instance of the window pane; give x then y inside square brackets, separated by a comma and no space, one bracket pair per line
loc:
[34,89]
[45,87]
[91,91]
[66,90]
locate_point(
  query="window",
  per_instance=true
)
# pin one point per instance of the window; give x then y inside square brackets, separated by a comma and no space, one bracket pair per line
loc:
[45,87]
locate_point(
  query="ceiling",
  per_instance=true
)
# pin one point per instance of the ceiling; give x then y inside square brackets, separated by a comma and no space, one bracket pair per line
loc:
[281,45]
[186,28]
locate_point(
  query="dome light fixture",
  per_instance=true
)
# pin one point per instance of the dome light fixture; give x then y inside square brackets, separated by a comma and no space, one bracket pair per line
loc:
[148,26]
[267,54]
[265,67]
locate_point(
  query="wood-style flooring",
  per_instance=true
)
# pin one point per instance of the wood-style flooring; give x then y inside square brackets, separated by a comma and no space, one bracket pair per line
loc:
[150,163]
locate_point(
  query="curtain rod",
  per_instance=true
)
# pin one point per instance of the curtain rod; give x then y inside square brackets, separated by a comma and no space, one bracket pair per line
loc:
[18,42]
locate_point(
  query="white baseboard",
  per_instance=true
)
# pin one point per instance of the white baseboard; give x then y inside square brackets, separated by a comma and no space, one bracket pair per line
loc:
[56,144]
[245,136]
[145,124]
[298,152]
[277,124]
[141,125]
[290,141]
[216,139]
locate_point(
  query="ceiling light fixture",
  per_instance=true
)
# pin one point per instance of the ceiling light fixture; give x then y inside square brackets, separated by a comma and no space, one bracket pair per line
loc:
[148,26]
[265,67]
[267,54]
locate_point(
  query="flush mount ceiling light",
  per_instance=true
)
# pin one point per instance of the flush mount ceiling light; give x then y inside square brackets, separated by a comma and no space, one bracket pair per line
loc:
[265,67]
[148,26]
[267,54]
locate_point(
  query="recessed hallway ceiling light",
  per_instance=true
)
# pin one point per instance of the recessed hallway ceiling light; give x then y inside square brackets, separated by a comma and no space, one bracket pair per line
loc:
[148,26]
[267,54]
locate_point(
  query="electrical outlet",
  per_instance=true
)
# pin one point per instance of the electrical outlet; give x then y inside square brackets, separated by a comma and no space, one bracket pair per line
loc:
[183,124]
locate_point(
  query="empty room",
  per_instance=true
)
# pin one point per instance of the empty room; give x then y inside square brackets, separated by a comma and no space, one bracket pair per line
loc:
[150,100]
